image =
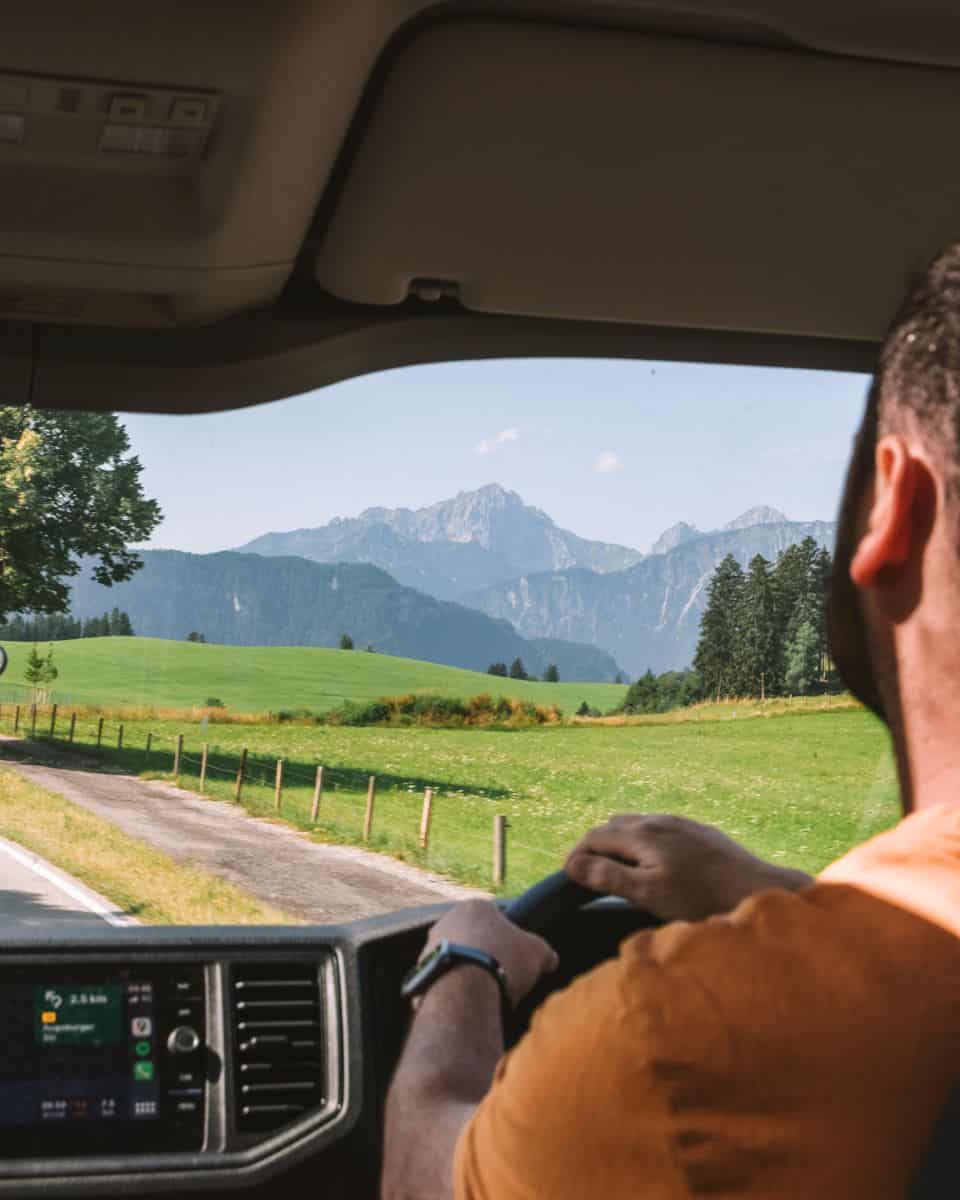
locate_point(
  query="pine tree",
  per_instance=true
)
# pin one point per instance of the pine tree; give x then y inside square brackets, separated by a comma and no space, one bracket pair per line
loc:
[756,652]
[33,672]
[517,669]
[346,641]
[822,569]
[715,659]
[803,657]
[551,674]
[497,668]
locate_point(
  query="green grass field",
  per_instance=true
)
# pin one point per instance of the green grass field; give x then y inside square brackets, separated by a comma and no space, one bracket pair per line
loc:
[799,788]
[150,672]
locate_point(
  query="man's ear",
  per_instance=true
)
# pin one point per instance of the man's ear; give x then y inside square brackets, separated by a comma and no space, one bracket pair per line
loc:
[904,503]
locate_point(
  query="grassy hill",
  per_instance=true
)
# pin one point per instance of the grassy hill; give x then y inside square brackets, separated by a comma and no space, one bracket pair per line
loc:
[168,674]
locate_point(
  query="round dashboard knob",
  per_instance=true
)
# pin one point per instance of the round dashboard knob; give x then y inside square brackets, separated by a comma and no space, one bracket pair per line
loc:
[183,1040]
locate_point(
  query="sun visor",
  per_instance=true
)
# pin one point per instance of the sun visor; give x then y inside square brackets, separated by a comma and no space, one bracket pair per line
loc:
[609,176]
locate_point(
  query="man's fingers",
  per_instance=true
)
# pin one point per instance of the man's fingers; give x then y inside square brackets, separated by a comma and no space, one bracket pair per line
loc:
[614,843]
[604,875]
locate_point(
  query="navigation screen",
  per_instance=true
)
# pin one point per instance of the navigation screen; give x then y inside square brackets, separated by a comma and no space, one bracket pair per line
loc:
[77,1053]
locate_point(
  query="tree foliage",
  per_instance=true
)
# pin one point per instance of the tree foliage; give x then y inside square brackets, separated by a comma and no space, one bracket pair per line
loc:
[497,668]
[518,670]
[661,693]
[61,627]
[40,668]
[551,674]
[765,633]
[716,658]
[346,641]
[69,490]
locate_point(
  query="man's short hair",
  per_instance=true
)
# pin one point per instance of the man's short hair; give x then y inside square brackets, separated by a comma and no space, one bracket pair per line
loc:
[917,384]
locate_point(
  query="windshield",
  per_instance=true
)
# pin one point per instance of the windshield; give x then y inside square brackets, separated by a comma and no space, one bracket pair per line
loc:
[413,635]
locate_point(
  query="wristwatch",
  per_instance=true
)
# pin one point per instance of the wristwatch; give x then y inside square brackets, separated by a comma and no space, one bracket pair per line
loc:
[443,958]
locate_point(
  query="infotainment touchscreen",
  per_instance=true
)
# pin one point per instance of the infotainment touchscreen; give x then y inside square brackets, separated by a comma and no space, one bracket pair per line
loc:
[100,1061]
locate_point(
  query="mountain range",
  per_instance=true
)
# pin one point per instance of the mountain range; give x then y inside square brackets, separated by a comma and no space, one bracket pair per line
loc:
[473,541]
[251,600]
[476,579]
[490,551]
[649,615]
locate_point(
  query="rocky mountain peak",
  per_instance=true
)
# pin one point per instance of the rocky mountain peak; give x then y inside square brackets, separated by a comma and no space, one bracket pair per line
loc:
[675,536]
[761,515]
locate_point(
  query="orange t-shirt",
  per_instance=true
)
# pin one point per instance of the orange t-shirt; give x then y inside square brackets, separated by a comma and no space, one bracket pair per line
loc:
[801,1046]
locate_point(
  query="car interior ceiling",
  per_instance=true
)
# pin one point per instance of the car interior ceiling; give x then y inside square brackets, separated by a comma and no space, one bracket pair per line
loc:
[588,179]
[206,206]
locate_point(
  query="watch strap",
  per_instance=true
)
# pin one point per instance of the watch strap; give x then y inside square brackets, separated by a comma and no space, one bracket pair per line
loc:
[447,956]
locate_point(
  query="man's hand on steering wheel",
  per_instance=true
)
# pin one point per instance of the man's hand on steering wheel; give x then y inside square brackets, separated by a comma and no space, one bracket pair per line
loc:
[523,956]
[674,868]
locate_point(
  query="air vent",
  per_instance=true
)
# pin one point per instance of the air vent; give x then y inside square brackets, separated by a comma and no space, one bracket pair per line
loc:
[278,1030]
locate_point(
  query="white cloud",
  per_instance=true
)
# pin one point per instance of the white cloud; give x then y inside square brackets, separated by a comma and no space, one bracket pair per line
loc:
[488,445]
[607,462]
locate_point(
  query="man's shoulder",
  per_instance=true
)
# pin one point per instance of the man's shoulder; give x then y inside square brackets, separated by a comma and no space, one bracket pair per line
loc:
[790,976]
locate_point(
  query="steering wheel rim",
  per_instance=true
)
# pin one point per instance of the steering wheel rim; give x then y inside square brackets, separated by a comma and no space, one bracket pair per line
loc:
[548,902]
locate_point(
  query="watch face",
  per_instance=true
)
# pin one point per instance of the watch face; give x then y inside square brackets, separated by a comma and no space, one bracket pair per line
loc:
[420,974]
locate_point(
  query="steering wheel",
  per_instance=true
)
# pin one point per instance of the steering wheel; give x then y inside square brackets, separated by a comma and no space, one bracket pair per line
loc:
[547,908]
[548,902]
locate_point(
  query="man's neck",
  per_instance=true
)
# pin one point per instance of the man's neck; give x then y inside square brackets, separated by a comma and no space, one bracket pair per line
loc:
[927,750]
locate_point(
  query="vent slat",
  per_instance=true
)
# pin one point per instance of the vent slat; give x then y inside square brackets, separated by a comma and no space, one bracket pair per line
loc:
[279,1067]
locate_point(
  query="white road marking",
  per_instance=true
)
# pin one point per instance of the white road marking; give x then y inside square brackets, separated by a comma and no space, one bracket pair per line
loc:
[64,883]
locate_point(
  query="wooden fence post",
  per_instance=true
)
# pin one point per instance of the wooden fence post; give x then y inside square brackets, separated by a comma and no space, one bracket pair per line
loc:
[176,759]
[53,721]
[243,766]
[425,818]
[120,738]
[73,727]
[99,732]
[368,817]
[499,849]
[203,768]
[146,751]
[278,785]
[317,793]
[16,719]
[33,720]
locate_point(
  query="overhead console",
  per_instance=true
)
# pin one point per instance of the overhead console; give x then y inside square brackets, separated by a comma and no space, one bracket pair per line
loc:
[160,164]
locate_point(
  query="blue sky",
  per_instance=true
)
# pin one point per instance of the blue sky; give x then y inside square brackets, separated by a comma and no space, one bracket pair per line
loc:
[612,450]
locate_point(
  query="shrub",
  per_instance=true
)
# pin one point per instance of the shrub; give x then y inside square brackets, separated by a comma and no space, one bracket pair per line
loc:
[213,702]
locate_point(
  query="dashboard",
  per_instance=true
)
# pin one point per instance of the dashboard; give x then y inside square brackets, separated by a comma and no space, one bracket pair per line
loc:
[189,1060]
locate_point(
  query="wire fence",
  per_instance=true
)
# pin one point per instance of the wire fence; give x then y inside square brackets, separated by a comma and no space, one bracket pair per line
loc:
[424,822]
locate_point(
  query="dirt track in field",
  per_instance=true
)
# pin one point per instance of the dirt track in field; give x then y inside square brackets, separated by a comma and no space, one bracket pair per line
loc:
[319,883]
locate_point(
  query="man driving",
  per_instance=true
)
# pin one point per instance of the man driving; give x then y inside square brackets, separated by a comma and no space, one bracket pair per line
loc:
[781,1036]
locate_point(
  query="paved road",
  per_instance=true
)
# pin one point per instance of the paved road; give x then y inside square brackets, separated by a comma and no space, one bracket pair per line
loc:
[318,883]
[34,892]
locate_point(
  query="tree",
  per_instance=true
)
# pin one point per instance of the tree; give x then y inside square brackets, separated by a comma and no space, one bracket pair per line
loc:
[194,636]
[69,489]
[757,647]
[497,668]
[40,669]
[715,660]
[642,695]
[618,678]
[346,641]
[517,669]
[551,674]
[802,658]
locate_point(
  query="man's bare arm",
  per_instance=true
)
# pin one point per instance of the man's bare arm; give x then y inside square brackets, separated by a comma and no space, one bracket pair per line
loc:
[446,1070]
[454,1045]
